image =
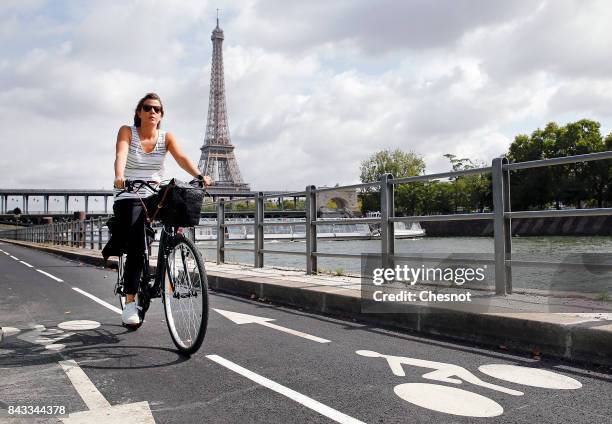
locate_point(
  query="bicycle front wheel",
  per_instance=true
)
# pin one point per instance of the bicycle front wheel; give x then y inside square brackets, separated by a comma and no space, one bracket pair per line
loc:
[185,295]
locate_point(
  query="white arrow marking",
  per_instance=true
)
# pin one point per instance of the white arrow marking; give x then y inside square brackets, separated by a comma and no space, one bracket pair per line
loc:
[239,318]
[99,408]
[286,391]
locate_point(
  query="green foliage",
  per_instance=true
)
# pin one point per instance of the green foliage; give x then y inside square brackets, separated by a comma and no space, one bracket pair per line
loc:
[576,185]
[400,164]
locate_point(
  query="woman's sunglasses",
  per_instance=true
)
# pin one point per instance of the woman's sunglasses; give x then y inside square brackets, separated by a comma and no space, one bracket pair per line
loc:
[147,108]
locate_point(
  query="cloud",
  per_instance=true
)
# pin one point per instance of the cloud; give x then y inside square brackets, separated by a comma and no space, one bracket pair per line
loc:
[313,88]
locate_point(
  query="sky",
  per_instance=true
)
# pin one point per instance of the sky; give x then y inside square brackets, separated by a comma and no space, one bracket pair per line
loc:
[313,87]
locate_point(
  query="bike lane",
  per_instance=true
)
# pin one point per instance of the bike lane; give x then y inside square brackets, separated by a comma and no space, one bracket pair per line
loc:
[144,366]
[39,317]
[378,376]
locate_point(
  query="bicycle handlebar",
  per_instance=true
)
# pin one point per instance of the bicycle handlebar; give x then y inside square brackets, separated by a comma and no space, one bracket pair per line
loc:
[130,186]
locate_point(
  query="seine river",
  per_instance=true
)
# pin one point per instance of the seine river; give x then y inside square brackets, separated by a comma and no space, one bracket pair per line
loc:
[541,276]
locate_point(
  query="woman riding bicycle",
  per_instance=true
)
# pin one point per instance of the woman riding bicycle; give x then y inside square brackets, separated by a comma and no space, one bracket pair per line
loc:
[140,153]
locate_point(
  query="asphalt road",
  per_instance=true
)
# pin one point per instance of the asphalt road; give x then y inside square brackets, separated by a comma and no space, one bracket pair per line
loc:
[253,372]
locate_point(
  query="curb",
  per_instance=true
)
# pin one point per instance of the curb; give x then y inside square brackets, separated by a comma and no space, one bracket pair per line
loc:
[524,333]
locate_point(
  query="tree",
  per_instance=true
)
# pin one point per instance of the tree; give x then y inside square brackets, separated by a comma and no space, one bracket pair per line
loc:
[397,162]
[400,164]
[575,184]
[469,191]
[532,187]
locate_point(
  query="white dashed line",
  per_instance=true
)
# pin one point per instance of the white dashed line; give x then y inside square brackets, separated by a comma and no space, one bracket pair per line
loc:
[285,391]
[26,264]
[14,257]
[6,253]
[49,275]
[98,300]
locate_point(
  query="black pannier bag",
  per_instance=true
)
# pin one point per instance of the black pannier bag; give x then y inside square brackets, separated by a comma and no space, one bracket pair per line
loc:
[178,204]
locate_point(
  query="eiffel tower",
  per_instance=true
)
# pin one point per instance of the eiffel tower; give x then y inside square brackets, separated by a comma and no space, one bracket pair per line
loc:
[217,158]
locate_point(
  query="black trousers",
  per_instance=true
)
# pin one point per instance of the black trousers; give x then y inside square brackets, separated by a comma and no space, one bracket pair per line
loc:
[131,216]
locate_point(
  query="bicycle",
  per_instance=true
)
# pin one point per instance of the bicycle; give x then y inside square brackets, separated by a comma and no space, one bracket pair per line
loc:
[180,280]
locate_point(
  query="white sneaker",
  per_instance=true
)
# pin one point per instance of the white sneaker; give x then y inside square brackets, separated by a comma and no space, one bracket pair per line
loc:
[129,316]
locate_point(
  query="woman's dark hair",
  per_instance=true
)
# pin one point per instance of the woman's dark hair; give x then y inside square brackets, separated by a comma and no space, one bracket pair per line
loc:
[152,96]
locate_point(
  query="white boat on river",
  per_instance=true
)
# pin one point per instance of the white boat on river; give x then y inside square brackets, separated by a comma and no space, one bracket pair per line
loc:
[295,229]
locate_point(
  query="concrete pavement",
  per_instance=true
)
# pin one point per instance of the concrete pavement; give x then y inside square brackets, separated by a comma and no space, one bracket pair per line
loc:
[249,372]
[578,338]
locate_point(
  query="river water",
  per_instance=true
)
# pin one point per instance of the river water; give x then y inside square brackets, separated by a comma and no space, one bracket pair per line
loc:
[544,275]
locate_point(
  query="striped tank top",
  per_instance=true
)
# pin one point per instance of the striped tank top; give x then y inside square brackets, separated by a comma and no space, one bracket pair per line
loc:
[141,165]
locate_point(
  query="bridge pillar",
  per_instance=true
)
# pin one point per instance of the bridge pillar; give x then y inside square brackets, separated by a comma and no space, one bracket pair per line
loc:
[66,200]
[25,203]
[46,203]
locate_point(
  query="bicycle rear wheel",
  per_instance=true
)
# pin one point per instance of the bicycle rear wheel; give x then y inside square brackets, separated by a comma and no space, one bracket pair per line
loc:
[185,295]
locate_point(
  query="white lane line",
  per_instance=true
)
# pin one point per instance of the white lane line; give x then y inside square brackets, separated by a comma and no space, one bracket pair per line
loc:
[285,391]
[295,332]
[84,293]
[83,385]
[98,300]
[49,275]
[14,257]
[6,253]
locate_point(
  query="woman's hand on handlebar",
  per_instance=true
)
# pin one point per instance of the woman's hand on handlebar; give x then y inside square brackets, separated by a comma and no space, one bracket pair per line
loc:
[119,183]
[201,181]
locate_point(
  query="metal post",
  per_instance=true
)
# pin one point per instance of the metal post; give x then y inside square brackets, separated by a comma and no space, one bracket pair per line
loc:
[220,232]
[25,204]
[508,230]
[106,204]
[86,203]
[499,226]
[387,229]
[311,229]
[259,230]
[66,200]
[100,233]
[91,233]
[46,203]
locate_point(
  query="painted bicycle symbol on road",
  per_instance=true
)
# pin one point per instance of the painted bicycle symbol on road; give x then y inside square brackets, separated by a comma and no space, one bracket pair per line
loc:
[452,400]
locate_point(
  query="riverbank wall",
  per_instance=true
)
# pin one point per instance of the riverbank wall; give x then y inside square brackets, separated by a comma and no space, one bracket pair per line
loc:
[560,226]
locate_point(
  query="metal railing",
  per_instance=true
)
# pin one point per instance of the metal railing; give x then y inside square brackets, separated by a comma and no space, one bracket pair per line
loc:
[75,233]
[89,233]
